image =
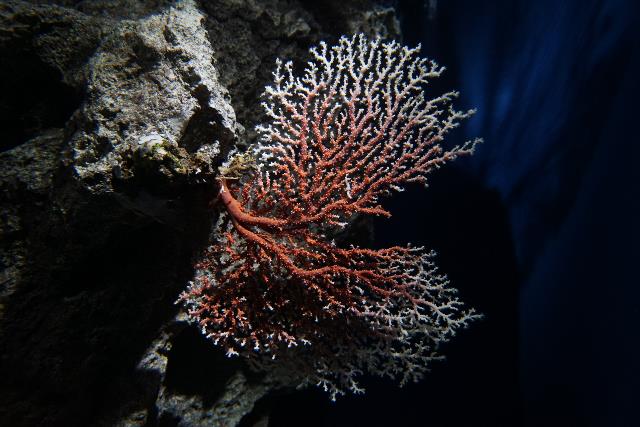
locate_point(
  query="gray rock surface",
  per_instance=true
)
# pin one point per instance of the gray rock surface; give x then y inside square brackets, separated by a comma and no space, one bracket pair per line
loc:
[115,116]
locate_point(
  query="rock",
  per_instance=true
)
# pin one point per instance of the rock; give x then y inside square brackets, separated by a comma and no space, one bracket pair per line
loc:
[116,115]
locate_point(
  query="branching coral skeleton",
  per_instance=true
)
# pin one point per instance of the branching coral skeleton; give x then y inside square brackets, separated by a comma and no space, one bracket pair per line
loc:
[355,127]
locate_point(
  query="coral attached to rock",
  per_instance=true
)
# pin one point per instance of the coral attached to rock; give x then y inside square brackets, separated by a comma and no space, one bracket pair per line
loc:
[352,129]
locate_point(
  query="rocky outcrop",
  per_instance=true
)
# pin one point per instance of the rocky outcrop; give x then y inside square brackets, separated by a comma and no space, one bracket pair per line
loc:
[115,116]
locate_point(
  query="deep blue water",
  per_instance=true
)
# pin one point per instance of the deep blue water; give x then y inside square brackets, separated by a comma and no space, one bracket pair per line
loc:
[556,85]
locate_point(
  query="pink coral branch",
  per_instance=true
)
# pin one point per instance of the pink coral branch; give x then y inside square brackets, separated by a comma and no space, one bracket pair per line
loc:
[355,128]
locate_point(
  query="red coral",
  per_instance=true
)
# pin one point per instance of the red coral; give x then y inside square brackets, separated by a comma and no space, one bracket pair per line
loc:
[355,127]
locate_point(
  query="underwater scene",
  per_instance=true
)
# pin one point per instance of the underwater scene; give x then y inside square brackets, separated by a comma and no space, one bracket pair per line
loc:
[273,213]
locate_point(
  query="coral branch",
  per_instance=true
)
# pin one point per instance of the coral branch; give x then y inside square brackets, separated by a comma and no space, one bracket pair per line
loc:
[354,128]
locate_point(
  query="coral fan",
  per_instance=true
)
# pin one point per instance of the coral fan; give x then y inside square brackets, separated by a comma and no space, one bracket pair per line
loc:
[355,127]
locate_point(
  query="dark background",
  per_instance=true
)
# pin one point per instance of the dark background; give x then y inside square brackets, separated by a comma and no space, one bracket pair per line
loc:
[538,230]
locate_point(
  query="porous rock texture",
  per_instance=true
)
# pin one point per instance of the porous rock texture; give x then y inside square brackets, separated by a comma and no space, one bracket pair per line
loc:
[114,117]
